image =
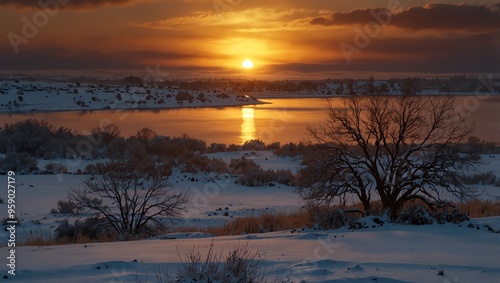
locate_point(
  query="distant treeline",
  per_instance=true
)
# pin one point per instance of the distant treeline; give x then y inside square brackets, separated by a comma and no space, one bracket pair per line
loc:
[458,84]
[452,84]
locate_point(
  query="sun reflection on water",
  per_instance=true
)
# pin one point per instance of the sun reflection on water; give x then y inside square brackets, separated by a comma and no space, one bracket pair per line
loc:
[248,131]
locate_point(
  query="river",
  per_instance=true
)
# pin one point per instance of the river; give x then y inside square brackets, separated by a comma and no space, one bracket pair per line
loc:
[281,120]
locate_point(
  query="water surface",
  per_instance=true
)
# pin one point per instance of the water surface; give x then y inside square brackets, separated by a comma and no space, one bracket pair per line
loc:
[282,120]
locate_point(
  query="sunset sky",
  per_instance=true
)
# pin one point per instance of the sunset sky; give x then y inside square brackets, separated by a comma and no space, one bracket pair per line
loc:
[318,38]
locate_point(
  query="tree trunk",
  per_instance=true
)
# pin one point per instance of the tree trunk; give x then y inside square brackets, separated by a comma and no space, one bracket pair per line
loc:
[367,207]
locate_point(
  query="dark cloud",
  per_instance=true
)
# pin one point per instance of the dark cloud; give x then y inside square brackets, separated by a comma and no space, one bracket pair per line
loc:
[63,59]
[430,54]
[431,16]
[75,4]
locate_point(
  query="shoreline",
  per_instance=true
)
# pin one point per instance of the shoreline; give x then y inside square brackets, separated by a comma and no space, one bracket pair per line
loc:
[257,101]
[24,112]
[290,96]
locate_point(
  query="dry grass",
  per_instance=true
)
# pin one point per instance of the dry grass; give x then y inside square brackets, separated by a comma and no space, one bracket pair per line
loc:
[474,208]
[262,223]
[281,221]
[480,208]
[256,224]
[273,222]
[40,239]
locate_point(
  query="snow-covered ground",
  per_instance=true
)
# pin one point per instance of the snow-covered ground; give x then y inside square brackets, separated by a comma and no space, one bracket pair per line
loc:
[27,96]
[265,158]
[385,254]
[41,96]
[388,253]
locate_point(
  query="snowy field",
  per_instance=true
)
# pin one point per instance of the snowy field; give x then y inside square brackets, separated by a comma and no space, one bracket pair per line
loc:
[381,253]
[26,96]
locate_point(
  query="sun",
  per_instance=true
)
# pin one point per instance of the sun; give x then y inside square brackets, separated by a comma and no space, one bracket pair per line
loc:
[247,64]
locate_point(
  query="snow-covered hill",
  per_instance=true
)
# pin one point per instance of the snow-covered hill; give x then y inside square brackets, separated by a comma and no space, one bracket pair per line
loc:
[385,253]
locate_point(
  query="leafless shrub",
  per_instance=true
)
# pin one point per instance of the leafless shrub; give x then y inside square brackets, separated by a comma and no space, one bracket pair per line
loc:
[217,147]
[145,135]
[91,229]
[105,133]
[55,168]
[417,215]
[183,95]
[291,149]
[238,265]
[242,165]
[325,217]
[255,177]
[486,178]
[443,212]
[478,146]
[129,198]
[273,146]
[21,163]
[253,145]
[194,163]
[67,207]
[252,174]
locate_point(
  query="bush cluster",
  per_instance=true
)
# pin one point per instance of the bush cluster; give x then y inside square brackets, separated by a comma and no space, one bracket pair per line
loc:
[419,215]
[21,163]
[66,207]
[55,168]
[259,177]
[252,174]
[292,150]
[25,141]
[90,229]
[194,163]
[486,178]
[38,139]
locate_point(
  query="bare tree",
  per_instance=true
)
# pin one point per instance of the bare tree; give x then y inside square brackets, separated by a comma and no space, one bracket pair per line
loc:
[129,198]
[402,149]
[105,133]
[145,135]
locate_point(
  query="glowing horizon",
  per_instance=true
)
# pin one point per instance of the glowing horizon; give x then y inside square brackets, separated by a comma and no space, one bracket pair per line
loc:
[310,39]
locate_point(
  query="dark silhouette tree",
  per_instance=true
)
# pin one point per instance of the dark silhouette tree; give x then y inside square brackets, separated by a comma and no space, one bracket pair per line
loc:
[401,149]
[130,198]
